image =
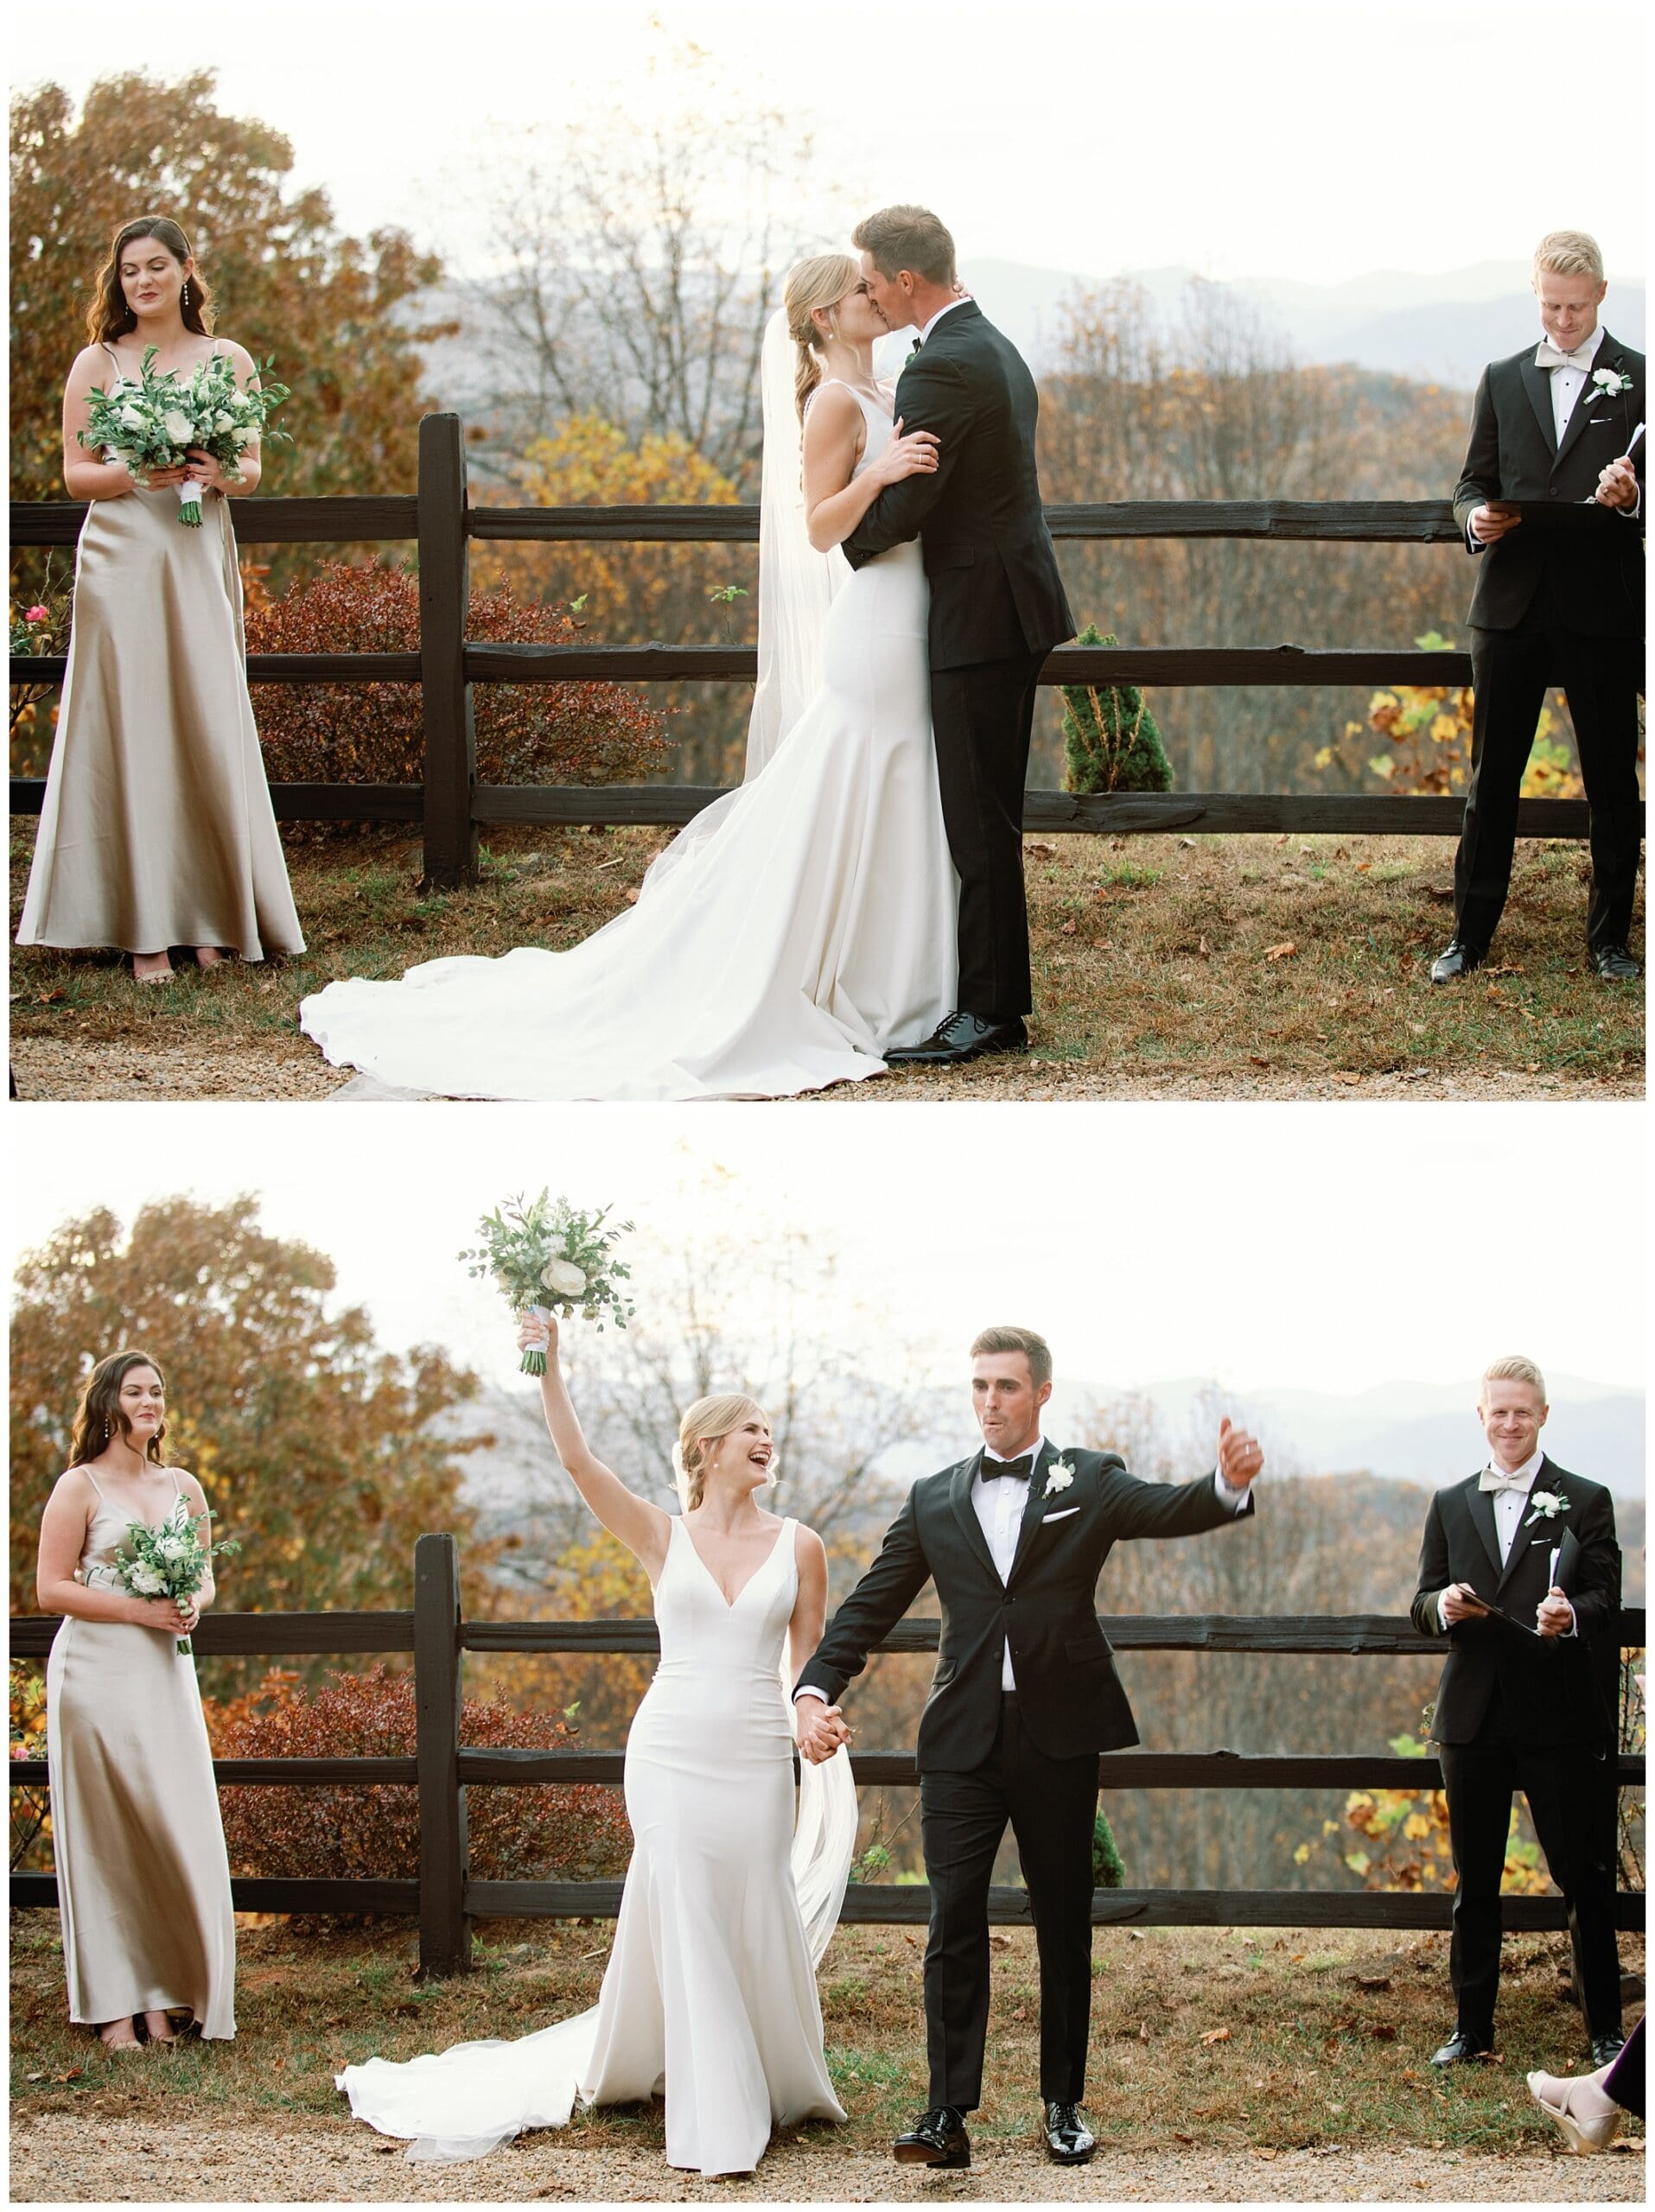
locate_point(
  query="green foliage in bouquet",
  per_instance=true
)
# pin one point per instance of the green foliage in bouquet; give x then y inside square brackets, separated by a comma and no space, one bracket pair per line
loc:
[152,420]
[170,1561]
[552,1255]
[1111,742]
[1108,1872]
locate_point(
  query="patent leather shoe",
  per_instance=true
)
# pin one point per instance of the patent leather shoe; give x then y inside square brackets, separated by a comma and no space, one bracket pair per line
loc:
[1459,2048]
[1615,963]
[1607,2048]
[938,2138]
[1456,959]
[1069,2141]
[960,1037]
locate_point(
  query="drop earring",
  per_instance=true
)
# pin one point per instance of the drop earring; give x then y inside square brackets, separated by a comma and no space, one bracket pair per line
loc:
[186,300]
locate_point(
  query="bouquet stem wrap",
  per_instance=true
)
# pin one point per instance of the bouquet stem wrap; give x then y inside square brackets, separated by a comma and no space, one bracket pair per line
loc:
[189,505]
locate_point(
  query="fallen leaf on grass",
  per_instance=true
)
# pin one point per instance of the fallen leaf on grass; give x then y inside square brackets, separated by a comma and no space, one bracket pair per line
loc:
[1178,2137]
[1000,1943]
[1260,2151]
[1340,1075]
[1188,843]
[1258,1059]
[1382,2032]
[1039,847]
[1281,951]
[1216,2035]
[1373,1981]
[35,2077]
[1202,949]
[1069,929]
[1362,866]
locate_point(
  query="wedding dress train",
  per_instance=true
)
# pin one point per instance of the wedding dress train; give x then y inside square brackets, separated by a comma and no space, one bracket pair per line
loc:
[779,946]
[710,1987]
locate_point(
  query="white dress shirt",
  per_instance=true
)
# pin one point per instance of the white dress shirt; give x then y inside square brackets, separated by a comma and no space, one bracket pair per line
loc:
[1510,1506]
[938,317]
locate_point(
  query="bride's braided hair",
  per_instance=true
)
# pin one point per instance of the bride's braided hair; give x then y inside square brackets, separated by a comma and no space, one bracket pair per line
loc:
[821,282]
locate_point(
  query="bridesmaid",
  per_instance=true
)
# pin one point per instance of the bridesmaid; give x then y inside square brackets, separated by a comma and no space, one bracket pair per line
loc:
[157,829]
[143,1880]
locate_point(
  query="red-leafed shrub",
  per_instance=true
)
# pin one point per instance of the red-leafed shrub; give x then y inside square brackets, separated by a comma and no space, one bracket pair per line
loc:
[371,733]
[536,1831]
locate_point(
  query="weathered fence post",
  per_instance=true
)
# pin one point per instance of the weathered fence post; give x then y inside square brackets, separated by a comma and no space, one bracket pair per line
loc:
[444,1932]
[450,771]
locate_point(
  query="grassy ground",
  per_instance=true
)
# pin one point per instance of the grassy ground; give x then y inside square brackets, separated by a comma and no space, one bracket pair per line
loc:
[1211,966]
[1252,2041]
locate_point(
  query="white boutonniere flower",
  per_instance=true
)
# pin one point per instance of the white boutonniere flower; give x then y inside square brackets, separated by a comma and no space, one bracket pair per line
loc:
[1545,1505]
[1611,382]
[1058,1478]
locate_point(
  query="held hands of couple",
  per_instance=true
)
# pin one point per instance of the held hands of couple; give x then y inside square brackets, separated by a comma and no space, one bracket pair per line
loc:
[1240,1456]
[913,455]
[821,1728]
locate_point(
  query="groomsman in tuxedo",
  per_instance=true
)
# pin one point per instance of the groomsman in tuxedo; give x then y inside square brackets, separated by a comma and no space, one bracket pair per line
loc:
[1527,1702]
[1554,605]
[1024,1698]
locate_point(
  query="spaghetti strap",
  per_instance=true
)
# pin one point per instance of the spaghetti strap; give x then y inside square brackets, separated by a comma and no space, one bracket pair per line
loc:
[92,1479]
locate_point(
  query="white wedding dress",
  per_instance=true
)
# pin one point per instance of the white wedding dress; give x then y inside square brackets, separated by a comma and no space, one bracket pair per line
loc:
[710,1987]
[793,932]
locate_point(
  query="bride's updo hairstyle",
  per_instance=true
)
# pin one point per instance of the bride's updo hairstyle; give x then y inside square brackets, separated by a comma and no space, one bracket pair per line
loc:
[821,282]
[704,1423]
[98,1415]
[109,316]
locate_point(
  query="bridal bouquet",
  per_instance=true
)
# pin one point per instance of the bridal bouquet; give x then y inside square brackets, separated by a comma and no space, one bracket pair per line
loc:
[551,1256]
[170,1561]
[151,421]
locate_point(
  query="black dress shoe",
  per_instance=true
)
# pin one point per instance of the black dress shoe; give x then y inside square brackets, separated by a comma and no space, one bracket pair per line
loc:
[1607,2048]
[1456,960]
[961,1037]
[1069,2141]
[938,2138]
[1460,2047]
[1615,963]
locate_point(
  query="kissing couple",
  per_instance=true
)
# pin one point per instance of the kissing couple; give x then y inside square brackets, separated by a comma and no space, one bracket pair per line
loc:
[858,902]
[730,1897]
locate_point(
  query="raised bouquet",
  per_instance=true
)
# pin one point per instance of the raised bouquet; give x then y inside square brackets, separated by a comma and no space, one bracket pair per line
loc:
[552,1257]
[151,421]
[170,1561]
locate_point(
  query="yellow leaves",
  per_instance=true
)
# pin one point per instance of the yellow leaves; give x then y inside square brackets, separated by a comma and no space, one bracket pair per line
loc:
[1287,951]
[1445,729]
[1215,2035]
[1416,1826]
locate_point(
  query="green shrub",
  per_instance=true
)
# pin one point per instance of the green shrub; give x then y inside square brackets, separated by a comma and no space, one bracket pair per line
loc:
[1111,742]
[1107,1872]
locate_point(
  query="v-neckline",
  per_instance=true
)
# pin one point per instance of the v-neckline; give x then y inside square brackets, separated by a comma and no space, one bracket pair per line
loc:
[730,1604]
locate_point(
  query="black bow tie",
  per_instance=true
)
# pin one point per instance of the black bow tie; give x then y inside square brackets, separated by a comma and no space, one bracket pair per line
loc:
[915,349]
[1023,1469]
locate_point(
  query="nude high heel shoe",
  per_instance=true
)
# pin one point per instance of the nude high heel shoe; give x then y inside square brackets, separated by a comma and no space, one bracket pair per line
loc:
[1583,2133]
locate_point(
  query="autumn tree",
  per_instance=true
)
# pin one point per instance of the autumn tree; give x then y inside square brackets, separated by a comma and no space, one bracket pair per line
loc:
[332,308]
[324,1455]
[627,263]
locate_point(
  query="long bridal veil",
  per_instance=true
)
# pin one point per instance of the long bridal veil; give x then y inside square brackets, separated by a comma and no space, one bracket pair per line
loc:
[797,586]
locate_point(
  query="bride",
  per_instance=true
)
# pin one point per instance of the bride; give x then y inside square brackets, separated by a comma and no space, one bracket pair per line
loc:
[800,925]
[711,1987]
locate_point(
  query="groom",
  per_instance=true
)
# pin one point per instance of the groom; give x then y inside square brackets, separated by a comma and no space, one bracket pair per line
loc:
[997,604]
[1024,1698]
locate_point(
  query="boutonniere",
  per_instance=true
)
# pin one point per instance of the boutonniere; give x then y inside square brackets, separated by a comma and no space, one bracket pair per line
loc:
[1058,1478]
[1546,1505]
[1611,382]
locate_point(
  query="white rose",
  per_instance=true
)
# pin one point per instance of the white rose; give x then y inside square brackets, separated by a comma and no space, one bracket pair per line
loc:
[244,438]
[146,1581]
[224,422]
[568,1282]
[175,1548]
[178,427]
[133,417]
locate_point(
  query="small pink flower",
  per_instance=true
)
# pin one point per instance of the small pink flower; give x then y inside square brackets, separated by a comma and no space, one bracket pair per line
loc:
[38,614]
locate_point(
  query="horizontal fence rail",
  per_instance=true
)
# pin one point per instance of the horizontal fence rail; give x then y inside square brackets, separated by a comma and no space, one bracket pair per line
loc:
[446,1896]
[451,805]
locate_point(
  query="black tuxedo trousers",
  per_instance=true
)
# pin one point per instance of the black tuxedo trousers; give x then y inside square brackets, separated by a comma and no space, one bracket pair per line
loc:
[1051,1804]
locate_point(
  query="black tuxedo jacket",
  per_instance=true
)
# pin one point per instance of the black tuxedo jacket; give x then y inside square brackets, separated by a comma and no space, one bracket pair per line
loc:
[1595,577]
[1558,1689]
[1069,1695]
[996,592]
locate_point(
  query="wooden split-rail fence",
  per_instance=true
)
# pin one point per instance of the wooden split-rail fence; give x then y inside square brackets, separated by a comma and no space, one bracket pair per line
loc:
[445,1897]
[451,805]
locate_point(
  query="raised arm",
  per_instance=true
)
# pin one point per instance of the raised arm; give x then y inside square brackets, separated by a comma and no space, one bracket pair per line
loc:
[63,1538]
[932,396]
[641,1524]
[1139,1508]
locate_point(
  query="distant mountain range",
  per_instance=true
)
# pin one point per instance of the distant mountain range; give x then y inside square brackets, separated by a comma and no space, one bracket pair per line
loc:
[1438,329]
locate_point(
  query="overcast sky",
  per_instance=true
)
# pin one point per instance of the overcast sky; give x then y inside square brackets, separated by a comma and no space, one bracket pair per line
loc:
[1240,137]
[1326,1249]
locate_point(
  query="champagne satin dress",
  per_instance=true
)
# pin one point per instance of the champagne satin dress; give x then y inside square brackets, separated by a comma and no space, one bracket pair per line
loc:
[143,1879]
[157,828]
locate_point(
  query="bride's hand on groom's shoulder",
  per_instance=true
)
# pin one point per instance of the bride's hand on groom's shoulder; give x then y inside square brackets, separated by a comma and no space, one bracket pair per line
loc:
[915,454]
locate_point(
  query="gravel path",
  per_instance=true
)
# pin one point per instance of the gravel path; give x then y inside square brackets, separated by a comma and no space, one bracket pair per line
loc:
[46,1070]
[78,2158]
